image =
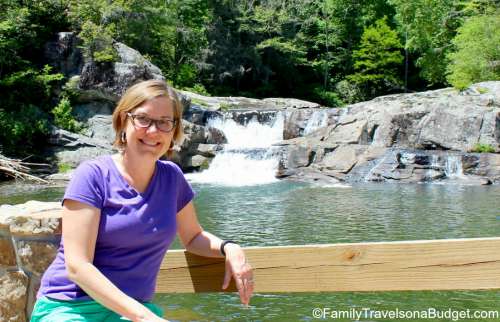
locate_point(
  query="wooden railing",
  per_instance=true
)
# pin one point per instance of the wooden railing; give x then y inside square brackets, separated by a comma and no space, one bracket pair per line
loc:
[450,264]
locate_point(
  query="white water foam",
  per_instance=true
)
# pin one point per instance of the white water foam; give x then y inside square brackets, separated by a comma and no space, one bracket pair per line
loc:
[242,162]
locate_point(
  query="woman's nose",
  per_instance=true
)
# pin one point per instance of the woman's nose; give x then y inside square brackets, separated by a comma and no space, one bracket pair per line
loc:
[153,126]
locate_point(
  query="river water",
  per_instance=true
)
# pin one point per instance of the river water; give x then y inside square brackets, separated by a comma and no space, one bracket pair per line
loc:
[286,213]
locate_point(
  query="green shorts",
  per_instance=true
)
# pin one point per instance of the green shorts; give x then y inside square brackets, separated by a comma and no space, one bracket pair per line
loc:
[51,310]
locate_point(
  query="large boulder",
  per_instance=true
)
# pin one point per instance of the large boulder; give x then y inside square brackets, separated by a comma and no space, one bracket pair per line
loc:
[417,137]
[108,81]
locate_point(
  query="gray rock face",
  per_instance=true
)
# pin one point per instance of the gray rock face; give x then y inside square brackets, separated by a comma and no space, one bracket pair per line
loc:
[418,137]
[305,121]
[441,119]
[403,137]
[72,149]
[212,103]
[109,81]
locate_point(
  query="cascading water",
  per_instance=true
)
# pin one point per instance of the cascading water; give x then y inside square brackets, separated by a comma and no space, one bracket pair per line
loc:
[453,167]
[247,158]
[317,120]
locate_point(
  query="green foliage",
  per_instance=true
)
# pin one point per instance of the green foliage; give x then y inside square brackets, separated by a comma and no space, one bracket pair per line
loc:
[349,92]
[23,131]
[226,106]
[428,28]
[63,117]
[199,102]
[198,89]
[97,43]
[477,55]
[483,148]
[64,167]
[377,60]
[327,98]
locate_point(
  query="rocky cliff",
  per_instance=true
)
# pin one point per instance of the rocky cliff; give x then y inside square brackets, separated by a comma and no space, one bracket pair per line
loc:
[426,136]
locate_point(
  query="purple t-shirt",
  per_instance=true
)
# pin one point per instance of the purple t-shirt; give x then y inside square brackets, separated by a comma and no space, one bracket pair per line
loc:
[135,229]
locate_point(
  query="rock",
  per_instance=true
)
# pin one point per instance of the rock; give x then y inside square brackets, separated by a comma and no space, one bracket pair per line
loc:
[350,133]
[341,159]
[447,129]
[31,218]
[198,162]
[193,134]
[305,121]
[208,150]
[66,176]
[64,55]
[36,256]
[13,296]
[215,136]
[228,103]
[288,103]
[7,253]
[485,165]
[490,130]
[198,115]
[72,149]
[244,116]
[298,156]
[73,158]
[109,81]
[28,226]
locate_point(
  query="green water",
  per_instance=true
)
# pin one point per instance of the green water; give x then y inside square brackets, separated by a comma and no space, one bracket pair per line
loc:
[294,214]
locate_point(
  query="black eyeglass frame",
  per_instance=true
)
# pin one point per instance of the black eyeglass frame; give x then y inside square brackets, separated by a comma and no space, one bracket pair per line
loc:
[151,121]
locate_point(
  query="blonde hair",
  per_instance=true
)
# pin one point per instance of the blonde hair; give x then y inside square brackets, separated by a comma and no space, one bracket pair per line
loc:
[135,96]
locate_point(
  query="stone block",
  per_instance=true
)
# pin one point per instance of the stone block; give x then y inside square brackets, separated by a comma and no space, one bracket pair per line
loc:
[36,256]
[350,133]
[13,296]
[30,226]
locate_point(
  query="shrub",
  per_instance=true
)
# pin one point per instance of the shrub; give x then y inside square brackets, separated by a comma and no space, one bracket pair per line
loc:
[477,54]
[63,117]
[483,148]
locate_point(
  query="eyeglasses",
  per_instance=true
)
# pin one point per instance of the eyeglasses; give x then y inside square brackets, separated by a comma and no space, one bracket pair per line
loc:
[142,121]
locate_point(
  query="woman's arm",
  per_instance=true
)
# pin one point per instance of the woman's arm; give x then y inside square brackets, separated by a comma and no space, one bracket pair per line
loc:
[200,242]
[80,227]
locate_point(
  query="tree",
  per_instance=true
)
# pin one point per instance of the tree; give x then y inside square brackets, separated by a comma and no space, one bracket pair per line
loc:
[477,55]
[428,27]
[377,61]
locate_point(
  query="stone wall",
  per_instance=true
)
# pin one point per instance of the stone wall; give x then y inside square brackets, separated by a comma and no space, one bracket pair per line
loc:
[29,238]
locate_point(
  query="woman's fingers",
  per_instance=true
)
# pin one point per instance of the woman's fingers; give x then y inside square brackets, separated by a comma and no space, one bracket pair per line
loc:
[238,268]
[247,283]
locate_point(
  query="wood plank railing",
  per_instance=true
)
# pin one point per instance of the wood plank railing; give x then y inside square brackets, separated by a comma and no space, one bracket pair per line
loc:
[450,264]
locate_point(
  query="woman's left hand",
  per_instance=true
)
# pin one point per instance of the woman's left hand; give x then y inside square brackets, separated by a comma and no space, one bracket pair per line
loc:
[238,268]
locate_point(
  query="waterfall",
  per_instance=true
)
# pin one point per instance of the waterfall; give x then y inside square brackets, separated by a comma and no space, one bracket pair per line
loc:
[317,120]
[247,158]
[453,167]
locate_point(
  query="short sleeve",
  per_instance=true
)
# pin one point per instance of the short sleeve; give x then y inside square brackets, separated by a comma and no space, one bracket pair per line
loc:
[86,185]
[185,192]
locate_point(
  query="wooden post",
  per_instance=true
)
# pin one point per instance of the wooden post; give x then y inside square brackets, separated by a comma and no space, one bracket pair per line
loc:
[450,264]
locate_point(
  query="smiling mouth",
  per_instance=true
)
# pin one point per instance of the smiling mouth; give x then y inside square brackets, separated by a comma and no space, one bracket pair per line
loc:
[152,144]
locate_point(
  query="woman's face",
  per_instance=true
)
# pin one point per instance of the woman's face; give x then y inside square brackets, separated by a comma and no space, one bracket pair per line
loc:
[150,142]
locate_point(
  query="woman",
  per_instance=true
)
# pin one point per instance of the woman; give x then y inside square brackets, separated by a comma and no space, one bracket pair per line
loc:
[120,214]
